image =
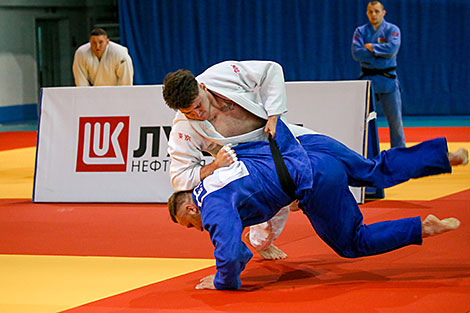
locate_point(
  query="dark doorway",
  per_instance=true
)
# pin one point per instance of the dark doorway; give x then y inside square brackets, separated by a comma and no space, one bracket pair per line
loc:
[48,52]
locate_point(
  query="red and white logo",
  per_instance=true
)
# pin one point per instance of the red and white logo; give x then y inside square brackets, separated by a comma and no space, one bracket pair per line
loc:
[102,144]
[235,69]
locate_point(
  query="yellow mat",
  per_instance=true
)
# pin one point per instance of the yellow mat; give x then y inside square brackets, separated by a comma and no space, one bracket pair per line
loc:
[433,187]
[17,173]
[32,283]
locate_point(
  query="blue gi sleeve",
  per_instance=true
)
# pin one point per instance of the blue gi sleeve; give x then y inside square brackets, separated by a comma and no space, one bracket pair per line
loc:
[222,220]
[390,48]
[359,53]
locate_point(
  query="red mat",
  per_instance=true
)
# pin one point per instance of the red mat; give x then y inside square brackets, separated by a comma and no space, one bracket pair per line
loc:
[22,139]
[418,134]
[127,230]
[434,277]
[15,140]
[313,279]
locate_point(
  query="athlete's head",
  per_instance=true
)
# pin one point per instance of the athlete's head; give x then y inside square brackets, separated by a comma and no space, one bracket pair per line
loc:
[98,41]
[182,92]
[375,13]
[183,210]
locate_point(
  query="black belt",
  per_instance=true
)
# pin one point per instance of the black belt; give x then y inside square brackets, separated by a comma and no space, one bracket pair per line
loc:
[285,179]
[378,71]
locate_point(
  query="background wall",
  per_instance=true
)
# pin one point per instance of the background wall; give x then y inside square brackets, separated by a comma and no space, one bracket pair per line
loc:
[310,39]
[37,41]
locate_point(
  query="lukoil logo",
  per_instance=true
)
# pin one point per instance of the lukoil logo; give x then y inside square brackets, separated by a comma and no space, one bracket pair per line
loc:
[102,144]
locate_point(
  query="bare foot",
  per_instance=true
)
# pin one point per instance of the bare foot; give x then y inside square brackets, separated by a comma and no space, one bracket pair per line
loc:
[432,226]
[459,157]
[294,206]
[270,253]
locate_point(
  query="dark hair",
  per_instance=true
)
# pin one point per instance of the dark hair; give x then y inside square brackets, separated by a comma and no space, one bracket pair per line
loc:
[374,2]
[175,201]
[180,88]
[98,32]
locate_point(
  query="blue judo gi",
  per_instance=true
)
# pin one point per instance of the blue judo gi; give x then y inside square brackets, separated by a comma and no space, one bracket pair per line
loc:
[386,43]
[248,192]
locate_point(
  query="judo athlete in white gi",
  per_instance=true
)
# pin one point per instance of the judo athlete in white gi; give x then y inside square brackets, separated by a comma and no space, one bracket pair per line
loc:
[221,107]
[321,169]
[101,62]
[375,46]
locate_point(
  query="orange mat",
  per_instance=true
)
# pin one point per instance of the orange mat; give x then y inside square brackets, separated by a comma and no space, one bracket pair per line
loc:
[417,134]
[434,277]
[19,139]
[13,140]
[86,229]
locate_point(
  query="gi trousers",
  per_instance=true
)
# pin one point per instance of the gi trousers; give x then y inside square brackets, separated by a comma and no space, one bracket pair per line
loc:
[333,210]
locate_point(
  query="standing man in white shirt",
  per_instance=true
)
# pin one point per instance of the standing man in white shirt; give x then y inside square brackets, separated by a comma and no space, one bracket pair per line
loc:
[101,62]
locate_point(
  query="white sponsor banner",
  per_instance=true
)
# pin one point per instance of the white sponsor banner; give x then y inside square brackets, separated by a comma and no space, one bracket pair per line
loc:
[338,109]
[103,144]
[109,144]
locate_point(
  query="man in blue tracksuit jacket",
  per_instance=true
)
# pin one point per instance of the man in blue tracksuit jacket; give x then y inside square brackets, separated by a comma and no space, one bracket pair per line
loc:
[249,192]
[375,46]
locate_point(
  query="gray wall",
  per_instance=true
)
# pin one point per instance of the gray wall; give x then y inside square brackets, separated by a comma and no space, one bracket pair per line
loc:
[66,24]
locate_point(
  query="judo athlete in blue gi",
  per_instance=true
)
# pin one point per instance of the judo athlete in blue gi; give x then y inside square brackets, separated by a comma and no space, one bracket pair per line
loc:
[249,191]
[375,46]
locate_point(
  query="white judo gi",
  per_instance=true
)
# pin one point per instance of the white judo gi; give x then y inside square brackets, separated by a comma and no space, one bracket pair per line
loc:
[114,68]
[258,87]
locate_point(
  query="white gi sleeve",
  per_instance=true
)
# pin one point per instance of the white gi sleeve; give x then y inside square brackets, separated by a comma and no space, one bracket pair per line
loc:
[243,81]
[125,70]
[268,78]
[185,147]
[79,69]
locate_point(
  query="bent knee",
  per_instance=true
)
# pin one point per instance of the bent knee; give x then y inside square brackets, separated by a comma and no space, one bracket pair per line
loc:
[260,243]
[260,236]
[349,251]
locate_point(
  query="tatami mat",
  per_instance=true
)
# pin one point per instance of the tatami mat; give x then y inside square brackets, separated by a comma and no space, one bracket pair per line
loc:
[132,258]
